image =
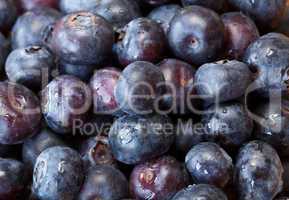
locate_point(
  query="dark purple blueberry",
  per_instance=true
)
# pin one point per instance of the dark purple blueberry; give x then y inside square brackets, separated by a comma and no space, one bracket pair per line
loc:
[222,81]
[92,38]
[202,191]
[241,31]
[96,151]
[273,126]
[259,172]
[141,40]
[34,146]
[269,58]
[228,125]
[283,26]
[159,179]
[196,35]
[135,139]
[164,15]
[104,182]
[212,4]
[30,66]
[103,84]
[179,78]
[83,72]
[266,13]
[58,174]
[32,28]
[8,15]
[208,163]
[156,2]
[13,179]
[4,51]
[65,101]
[139,87]
[20,113]
[32,4]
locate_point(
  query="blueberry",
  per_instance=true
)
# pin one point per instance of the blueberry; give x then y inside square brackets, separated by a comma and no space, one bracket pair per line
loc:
[282,27]
[139,88]
[8,15]
[96,151]
[34,146]
[68,6]
[179,77]
[269,58]
[20,114]
[13,179]
[259,171]
[65,101]
[156,2]
[222,81]
[273,127]
[196,35]
[26,33]
[103,84]
[83,72]
[286,176]
[212,4]
[104,182]
[282,198]
[266,13]
[30,66]
[92,43]
[202,191]
[58,174]
[241,31]
[164,15]
[32,4]
[154,179]
[208,163]
[135,139]
[228,125]
[141,40]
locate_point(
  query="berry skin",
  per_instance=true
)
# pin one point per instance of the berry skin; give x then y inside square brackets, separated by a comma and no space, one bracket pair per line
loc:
[155,178]
[222,81]
[104,182]
[164,15]
[258,172]
[8,15]
[156,2]
[20,114]
[4,51]
[83,72]
[29,66]
[34,146]
[142,40]
[25,34]
[135,139]
[208,163]
[229,125]
[92,43]
[179,77]
[241,31]
[58,174]
[65,101]
[266,13]
[269,58]
[202,191]
[139,87]
[13,179]
[96,151]
[196,35]
[212,4]
[103,84]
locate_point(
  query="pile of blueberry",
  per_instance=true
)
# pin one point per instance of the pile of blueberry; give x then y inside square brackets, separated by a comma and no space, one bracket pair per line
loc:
[144,99]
